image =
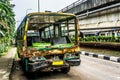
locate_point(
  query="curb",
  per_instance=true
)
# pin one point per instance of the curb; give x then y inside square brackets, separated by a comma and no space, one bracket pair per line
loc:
[100,56]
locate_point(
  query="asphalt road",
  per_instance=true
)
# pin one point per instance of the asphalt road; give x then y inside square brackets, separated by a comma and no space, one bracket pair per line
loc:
[90,69]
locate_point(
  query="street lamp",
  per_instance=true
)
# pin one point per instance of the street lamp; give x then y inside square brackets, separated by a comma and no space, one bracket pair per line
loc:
[28,10]
[38,6]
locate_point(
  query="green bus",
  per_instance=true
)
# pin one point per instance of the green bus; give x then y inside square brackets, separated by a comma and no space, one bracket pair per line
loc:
[44,42]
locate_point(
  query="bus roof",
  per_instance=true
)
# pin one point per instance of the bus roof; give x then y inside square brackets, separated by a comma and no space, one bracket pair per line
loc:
[42,19]
[50,14]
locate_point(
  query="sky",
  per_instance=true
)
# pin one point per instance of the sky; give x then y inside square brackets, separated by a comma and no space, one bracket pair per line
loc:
[22,7]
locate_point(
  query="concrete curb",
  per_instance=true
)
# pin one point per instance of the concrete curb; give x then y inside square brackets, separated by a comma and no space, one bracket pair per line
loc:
[105,57]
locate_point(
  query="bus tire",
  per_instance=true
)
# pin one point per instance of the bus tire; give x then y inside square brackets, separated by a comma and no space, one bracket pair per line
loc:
[65,70]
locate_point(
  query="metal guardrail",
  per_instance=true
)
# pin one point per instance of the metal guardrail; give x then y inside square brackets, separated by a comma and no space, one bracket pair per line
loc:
[72,5]
[82,5]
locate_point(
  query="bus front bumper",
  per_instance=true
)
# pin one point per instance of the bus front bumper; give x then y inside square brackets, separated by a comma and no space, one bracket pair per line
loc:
[45,66]
[37,66]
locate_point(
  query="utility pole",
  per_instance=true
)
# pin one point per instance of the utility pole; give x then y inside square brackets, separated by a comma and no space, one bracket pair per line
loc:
[38,6]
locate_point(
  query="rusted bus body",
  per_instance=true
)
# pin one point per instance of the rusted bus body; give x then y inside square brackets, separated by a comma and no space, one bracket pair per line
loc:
[43,42]
[33,52]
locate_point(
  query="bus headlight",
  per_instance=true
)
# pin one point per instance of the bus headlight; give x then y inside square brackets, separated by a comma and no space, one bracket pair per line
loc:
[37,59]
[32,59]
[69,56]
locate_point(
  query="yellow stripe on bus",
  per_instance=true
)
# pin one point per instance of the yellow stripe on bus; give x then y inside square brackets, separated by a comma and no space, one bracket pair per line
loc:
[26,26]
[24,37]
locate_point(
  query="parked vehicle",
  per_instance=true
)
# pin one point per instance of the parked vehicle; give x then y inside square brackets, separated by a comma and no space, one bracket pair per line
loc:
[43,42]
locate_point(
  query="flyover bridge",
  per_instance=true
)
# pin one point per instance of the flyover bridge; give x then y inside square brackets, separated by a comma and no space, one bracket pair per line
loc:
[97,17]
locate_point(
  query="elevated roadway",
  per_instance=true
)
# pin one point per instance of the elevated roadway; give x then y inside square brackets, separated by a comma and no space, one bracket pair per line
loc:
[98,17]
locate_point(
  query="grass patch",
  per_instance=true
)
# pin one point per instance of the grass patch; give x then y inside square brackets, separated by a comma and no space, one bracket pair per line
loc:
[4,53]
[102,51]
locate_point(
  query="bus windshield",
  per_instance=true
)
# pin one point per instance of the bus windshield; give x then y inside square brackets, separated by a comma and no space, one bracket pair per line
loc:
[51,27]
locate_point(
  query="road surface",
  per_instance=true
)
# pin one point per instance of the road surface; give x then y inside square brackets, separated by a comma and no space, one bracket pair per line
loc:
[90,69]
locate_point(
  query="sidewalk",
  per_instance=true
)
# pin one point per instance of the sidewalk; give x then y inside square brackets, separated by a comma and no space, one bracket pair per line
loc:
[6,64]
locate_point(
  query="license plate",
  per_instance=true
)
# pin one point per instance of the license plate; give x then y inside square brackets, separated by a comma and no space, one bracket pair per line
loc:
[57,63]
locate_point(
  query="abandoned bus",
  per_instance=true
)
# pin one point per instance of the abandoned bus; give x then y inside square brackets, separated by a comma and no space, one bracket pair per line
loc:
[44,42]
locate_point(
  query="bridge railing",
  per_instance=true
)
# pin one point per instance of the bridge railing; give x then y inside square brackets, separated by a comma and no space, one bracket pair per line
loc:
[84,5]
[72,5]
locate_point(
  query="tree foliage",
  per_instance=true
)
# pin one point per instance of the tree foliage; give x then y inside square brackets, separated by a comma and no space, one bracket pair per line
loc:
[7,24]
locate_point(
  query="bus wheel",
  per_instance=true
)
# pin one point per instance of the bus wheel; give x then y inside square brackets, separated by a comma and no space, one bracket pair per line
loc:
[65,70]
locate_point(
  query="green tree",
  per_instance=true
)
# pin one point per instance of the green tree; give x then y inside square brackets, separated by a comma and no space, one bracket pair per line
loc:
[7,23]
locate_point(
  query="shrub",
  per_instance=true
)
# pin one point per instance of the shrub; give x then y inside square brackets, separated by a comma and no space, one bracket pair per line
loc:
[1,48]
[101,39]
[4,44]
